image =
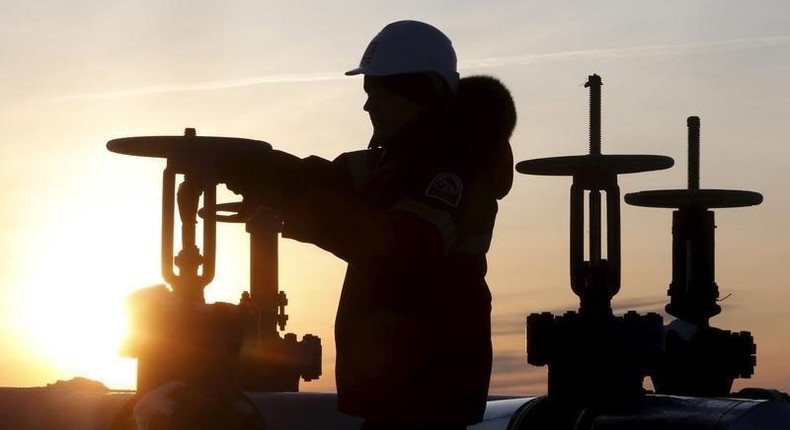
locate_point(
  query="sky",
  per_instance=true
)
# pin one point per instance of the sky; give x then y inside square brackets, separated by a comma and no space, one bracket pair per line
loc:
[79,226]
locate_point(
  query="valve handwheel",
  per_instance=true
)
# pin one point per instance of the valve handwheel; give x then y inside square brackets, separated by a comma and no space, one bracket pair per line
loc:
[173,146]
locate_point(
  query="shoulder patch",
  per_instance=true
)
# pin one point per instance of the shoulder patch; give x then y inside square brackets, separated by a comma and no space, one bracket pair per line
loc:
[446,187]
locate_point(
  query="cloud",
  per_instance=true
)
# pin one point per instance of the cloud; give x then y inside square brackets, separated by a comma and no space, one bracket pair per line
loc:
[633,52]
[511,362]
[491,62]
[512,373]
[508,325]
[202,86]
[641,305]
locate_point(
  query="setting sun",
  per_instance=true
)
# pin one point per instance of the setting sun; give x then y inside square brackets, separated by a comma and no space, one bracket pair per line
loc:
[69,306]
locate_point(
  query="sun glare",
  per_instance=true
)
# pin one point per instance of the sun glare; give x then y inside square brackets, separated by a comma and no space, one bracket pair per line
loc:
[78,265]
[69,298]
[81,339]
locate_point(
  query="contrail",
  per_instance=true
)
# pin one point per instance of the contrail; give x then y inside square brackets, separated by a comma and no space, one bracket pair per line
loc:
[202,86]
[634,52]
[492,62]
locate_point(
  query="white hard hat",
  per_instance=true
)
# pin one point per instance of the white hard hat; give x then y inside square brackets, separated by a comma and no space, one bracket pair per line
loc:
[409,47]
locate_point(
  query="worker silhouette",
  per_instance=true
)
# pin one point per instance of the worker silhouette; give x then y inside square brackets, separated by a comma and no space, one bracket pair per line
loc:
[413,215]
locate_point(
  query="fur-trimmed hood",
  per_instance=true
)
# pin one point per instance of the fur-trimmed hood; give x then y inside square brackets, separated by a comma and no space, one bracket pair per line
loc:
[485,117]
[471,129]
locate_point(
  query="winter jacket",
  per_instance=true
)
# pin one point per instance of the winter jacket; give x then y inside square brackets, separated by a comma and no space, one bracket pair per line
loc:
[414,221]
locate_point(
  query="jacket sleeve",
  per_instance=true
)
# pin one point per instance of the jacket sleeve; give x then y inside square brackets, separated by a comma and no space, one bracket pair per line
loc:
[340,223]
[416,232]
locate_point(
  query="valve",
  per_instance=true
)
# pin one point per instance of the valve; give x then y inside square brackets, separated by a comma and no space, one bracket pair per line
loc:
[179,337]
[591,348]
[700,360]
[693,290]
[193,157]
[596,280]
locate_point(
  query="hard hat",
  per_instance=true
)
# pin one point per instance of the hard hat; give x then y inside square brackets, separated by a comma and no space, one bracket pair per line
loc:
[409,47]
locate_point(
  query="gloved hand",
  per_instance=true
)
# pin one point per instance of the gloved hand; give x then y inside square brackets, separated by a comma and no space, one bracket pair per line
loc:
[263,178]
